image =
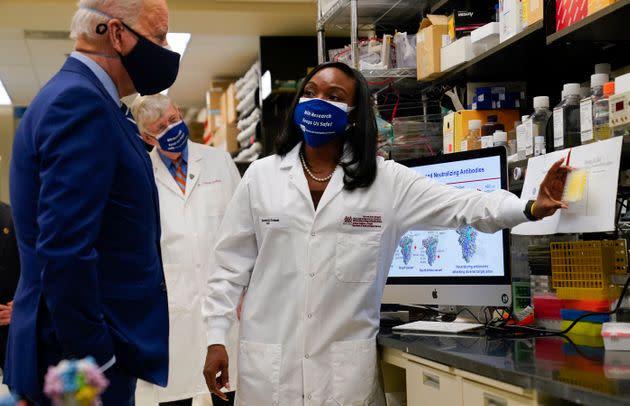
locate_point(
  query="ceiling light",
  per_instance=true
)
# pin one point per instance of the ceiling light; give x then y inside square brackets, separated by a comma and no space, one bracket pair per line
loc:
[5,100]
[178,41]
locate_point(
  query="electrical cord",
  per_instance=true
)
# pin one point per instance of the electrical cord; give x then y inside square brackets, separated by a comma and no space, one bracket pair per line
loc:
[533,331]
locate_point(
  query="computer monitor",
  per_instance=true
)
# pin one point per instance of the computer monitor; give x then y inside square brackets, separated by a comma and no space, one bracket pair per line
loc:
[462,267]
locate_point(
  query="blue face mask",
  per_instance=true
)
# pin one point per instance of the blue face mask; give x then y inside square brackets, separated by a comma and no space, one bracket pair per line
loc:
[321,121]
[174,138]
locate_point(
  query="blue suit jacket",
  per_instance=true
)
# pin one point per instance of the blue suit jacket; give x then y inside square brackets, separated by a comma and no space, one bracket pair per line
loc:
[86,210]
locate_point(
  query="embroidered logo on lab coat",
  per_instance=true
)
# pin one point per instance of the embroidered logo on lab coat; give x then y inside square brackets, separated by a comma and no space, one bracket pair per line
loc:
[372,221]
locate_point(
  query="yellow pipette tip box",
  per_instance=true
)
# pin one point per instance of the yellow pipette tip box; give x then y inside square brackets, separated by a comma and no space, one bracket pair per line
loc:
[575,186]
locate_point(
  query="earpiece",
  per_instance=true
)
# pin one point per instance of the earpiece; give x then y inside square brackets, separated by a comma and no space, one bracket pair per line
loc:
[101,29]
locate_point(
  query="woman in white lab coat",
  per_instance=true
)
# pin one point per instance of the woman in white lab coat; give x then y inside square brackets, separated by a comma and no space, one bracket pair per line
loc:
[195,183]
[311,233]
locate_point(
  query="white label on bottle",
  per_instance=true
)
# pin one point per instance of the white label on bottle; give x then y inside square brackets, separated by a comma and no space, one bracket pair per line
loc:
[464,146]
[521,142]
[487,141]
[586,119]
[558,128]
[529,137]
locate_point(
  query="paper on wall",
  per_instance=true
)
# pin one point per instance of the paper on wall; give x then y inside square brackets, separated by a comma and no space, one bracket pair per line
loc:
[596,212]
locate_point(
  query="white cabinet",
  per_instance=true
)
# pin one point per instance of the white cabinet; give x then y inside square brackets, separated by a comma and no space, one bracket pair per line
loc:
[477,394]
[432,386]
[430,383]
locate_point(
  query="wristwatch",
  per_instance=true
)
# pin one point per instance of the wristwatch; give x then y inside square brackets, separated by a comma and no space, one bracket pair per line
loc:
[528,211]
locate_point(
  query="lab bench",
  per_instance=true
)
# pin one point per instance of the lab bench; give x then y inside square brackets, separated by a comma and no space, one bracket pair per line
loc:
[453,370]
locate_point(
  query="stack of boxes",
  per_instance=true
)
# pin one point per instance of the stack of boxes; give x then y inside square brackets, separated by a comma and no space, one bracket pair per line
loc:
[569,12]
[220,130]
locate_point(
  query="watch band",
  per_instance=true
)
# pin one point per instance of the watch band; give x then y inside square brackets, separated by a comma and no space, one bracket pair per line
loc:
[528,211]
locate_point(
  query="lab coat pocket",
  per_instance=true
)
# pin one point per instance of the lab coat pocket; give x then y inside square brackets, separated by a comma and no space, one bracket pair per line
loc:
[181,287]
[212,193]
[357,256]
[354,372]
[258,373]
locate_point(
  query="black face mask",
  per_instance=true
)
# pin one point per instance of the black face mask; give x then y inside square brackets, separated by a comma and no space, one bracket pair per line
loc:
[152,68]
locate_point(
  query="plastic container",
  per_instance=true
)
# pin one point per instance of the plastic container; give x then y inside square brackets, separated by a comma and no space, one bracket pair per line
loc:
[538,125]
[581,269]
[512,147]
[601,127]
[521,138]
[473,140]
[547,307]
[500,139]
[616,336]
[588,305]
[539,146]
[491,126]
[572,314]
[602,68]
[566,119]
[587,107]
[582,328]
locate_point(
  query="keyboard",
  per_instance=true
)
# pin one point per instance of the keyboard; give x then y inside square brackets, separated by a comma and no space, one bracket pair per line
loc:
[437,327]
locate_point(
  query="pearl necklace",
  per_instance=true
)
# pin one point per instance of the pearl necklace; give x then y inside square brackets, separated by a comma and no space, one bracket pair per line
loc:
[308,171]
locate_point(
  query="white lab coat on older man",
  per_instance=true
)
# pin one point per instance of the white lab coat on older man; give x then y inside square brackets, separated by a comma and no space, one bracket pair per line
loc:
[316,277]
[189,228]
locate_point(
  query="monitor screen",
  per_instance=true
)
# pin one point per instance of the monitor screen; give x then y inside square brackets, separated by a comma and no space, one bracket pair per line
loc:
[464,252]
[461,266]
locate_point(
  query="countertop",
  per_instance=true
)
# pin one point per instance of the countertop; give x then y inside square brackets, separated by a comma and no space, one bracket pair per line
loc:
[580,371]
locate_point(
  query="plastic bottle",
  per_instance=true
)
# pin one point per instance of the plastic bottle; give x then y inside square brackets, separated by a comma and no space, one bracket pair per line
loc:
[566,119]
[601,127]
[539,146]
[488,129]
[538,124]
[500,139]
[473,140]
[512,148]
[603,68]
[587,111]
[521,138]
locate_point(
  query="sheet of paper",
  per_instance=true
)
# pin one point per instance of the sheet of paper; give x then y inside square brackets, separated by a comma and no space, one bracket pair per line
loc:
[596,213]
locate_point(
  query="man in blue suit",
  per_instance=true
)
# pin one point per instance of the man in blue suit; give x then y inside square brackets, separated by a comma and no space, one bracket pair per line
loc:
[86,209]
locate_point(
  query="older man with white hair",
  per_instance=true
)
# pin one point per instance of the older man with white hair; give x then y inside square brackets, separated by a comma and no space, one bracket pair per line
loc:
[195,184]
[86,209]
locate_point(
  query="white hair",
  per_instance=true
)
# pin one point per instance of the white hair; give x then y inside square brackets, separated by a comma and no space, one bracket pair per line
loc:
[90,13]
[148,109]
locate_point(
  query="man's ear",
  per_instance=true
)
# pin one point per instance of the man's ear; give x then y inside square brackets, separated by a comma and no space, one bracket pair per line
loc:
[149,140]
[115,31]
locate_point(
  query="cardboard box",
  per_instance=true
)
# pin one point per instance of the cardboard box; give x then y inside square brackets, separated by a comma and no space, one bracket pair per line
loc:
[455,127]
[535,11]
[510,18]
[232,115]
[486,37]
[462,22]
[458,52]
[225,138]
[429,45]
[213,104]
[569,12]
[595,5]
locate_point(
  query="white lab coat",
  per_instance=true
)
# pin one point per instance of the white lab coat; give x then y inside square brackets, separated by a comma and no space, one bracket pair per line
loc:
[189,227]
[316,277]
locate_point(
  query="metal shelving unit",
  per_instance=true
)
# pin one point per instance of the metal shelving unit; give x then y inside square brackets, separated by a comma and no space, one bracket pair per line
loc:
[397,73]
[349,15]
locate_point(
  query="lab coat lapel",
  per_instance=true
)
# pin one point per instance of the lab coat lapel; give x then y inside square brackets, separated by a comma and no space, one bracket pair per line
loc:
[194,169]
[162,175]
[334,187]
[297,179]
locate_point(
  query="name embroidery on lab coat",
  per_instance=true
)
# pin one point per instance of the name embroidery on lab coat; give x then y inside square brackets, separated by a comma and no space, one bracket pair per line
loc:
[373,221]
